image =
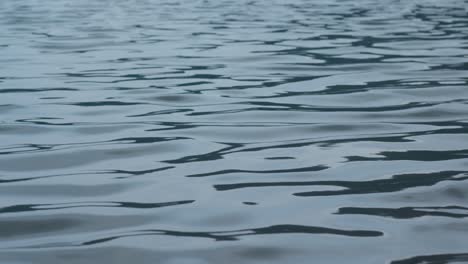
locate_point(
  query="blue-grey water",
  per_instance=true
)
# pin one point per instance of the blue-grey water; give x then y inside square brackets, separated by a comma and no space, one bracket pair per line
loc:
[248,131]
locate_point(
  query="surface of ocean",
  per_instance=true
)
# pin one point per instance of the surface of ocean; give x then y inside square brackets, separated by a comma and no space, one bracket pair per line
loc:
[248,131]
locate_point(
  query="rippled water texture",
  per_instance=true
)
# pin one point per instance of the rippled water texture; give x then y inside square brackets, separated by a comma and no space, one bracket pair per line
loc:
[261,131]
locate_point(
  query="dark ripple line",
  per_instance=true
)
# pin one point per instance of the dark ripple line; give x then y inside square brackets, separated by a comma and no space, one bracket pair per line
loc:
[52,147]
[404,212]
[163,112]
[221,172]
[189,125]
[36,122]
[387,137]
[127,172]
[302,107]
[228,236]
[146,140]
[434,259]
[266,83]
[347,88]
[305,108]
[34,148]
[395,183]
[138,173]
[36,90]
[214,155]
[133,205]
[140,77]
[46,176]
[106,103]
[235,147]
[417,155]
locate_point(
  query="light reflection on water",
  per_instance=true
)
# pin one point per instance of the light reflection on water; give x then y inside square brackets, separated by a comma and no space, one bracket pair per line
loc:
[294,131]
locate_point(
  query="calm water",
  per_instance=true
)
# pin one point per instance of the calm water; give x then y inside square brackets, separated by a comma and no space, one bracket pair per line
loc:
[248,131]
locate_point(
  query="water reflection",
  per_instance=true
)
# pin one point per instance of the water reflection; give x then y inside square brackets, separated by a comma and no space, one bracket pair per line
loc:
[240,131]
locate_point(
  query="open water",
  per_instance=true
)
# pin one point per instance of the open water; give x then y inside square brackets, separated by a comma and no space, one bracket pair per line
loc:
[248,131]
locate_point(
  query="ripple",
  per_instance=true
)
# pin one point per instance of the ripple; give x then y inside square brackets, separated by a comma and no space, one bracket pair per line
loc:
[445,258]
[408,212]
[234,235]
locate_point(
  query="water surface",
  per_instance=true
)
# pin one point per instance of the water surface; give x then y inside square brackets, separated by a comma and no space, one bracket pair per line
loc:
[159,131]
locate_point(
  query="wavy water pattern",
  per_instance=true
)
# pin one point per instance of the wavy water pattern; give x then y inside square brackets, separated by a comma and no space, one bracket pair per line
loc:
[248,131]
